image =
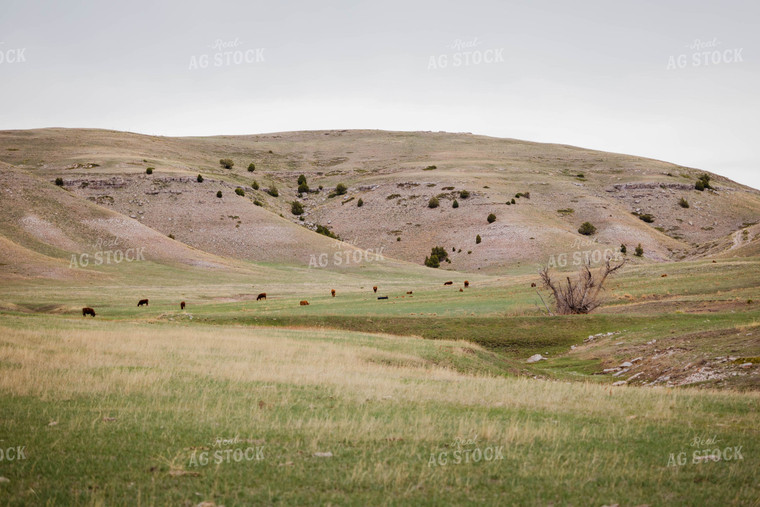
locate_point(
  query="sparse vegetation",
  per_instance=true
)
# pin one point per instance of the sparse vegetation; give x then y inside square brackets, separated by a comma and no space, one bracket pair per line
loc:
[360,203]
[239,191]
[430,168]
[639,252]
[683,203]
[227,163]
[251,167]
[149,170]
[257,202]
[433,202]
[587,229]
[341,189]
[59,181]
[512,201]
[477,240]
[566,211]
[623,249]
[272,190]
[455,204]
[219,194]
[296,208]
[171,236]
[393,196]
[646,217]
[303,188]
[301,179]
[255,185]
[199,179]
[491,218]
[464,194]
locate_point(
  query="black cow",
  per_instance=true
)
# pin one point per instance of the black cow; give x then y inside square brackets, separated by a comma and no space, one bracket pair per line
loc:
[263,295]
[142,302]
[382,297]
[87,311]
[182,305]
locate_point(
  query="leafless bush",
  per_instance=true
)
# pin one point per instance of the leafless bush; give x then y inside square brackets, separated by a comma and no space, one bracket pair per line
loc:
[581,295]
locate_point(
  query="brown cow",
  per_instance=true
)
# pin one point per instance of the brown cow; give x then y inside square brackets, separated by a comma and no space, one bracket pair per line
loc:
[410,292]
[263,295]
[182,305]
[533,284]
[87,311]
[461,289]
[332,291]
[448,283]
[466,284]
[142,302]
[375,289]
[304,303]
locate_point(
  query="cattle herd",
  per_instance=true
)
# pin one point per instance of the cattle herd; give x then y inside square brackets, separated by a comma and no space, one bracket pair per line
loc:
[144,302]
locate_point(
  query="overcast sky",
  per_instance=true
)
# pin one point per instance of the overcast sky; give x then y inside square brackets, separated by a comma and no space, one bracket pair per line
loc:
[672,80]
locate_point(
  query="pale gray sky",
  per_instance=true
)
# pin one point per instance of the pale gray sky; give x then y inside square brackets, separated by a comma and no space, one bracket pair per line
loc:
[589,73]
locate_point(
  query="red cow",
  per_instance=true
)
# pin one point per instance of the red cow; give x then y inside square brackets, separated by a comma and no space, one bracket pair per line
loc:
[304,303]
[375,289]
[263,295]
[332,292]
[182,305]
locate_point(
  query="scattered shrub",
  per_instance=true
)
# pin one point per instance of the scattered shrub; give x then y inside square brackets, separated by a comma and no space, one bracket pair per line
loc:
[296,208]
[491,218]
[341,189]
[171,236]
[512,201]
[580,176]
[623,249]
[430,168]
[683,203]
[219,194]
[432,262]
[325,231]
[433,202]
[301,179]
[646,217]
[455,204]
[639,251]
[59,181]
[359,203]
[703,182]
[464,194]
[477,240]
[393,196]
[566,211]
[239,191]
[149,170]
[251,167]
[255,185]
[227,163]
[398,238]
[199,179]
[272,190]
[587,229]
[257,203]
[303,188]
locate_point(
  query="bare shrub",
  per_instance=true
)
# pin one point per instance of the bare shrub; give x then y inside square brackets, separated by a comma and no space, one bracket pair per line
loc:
[581,295]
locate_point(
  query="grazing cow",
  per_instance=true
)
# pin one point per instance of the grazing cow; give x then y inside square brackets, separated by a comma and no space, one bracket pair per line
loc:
[182,305]
[410,292]
[332,291]
[466,284]
[382,297]
[142,302]
[448,283]
[533,284]
[375,289]
[263,295]
[304,303]
[87,311]
[664,275]
[461,289]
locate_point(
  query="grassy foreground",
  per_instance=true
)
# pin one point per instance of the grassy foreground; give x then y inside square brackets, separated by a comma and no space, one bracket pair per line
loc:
[121,413]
